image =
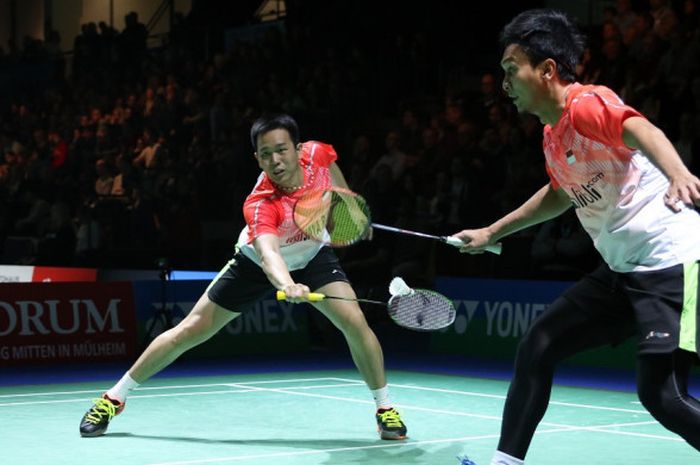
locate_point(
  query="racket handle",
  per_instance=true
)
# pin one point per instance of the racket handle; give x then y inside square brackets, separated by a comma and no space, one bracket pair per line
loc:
[313,296]
[494,248]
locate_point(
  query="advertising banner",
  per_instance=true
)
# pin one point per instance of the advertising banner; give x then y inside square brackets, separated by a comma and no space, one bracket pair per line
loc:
[66,322]
[271,327]
[44,274]
[16,273]
[492,316]
[47,274]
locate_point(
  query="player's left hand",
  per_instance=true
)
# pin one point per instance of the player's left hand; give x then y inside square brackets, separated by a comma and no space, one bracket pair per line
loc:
[475,240]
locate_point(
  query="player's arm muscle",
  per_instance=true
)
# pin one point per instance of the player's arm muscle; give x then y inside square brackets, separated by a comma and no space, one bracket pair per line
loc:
[267,247]
[545,204]
[639,133]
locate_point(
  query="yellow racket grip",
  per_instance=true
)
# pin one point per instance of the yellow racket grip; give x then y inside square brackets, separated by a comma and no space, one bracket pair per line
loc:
[313,296]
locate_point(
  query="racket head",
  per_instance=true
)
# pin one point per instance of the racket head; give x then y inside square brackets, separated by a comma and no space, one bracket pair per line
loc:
[335,216]
[422,310]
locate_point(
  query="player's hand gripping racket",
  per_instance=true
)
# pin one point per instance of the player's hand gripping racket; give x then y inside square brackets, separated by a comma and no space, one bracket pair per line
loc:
[417,309]
[340,217]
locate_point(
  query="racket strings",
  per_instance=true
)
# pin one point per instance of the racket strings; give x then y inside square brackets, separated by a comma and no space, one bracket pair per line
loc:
[337,217]
[422,310]
[348,219]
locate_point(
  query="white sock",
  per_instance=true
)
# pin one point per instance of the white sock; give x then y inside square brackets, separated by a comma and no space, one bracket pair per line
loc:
[121,390]
[500,458]
[381,397]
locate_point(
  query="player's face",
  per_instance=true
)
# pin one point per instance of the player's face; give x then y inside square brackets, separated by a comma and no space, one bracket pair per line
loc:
[279,158]
[522,82]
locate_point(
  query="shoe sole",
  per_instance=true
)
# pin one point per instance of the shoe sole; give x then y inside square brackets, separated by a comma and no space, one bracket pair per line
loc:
[387,437]
[391,436]
[92,435]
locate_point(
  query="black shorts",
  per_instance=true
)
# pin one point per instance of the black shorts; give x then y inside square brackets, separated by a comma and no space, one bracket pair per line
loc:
[662,307]
[242,283]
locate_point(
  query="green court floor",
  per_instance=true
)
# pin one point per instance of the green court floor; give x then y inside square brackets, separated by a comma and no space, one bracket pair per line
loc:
[322,417]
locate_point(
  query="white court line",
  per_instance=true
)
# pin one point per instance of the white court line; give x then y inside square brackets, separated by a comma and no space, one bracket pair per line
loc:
[177,394]
[246,387]
[361,401]
[496,396]
[182,386]
[597,428]
[345,382]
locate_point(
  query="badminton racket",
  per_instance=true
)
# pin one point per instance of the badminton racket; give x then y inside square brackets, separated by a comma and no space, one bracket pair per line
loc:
[417,309]
[340,217]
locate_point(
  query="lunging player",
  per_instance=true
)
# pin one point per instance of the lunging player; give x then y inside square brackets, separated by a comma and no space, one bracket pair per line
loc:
[272,253]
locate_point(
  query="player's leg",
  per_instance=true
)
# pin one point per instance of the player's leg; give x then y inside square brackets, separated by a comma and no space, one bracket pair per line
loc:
[366,353]
[239,285]
[662,384]
[348,318]
[205,320]
[667,305]
[324,274]
[590,314]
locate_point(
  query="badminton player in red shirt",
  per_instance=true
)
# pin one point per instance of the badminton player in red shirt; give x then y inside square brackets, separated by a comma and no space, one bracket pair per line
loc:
[635,198]
[271,253]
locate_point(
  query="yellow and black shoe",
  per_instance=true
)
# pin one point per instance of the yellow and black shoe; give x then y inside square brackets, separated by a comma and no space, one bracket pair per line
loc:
[96,420]
[389,424]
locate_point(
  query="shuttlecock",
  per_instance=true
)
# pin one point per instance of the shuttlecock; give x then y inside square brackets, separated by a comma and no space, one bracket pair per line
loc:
[398,286]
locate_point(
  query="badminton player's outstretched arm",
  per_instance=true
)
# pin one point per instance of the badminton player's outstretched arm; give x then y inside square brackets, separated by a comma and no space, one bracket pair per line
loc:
[545,204]
[267,247]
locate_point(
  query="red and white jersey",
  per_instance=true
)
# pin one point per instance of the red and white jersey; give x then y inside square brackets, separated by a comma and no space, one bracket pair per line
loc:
[268,210]
[618,193]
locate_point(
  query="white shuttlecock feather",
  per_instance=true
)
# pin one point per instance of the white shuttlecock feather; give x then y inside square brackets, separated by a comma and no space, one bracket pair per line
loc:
[398,286]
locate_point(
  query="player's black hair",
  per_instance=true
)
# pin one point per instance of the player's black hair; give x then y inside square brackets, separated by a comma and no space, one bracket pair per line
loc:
[268,123]
[545,33]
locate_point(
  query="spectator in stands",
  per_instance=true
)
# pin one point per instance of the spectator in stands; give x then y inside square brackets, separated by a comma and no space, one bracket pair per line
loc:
[147,158]
[87,237]
[37,208]
[625,19]
[104,180]
[57,244]
[665,19]
[394,157]
[59,149]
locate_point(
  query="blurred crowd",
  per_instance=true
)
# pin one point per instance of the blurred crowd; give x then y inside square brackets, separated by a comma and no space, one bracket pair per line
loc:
[127,154]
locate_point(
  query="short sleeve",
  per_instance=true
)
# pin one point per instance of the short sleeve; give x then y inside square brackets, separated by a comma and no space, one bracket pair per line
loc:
[321,154]
[552,179]
[600,117]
